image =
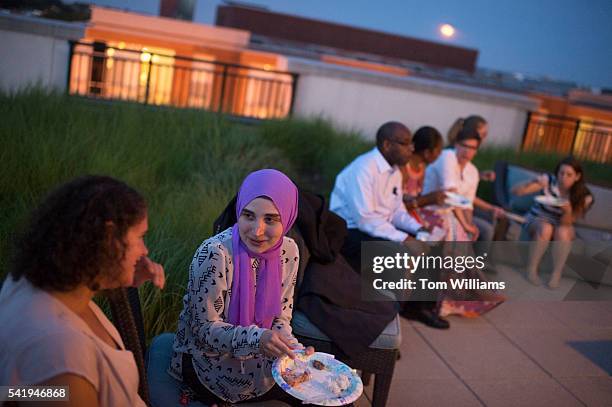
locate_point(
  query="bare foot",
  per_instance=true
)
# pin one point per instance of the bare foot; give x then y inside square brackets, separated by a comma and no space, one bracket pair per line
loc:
[534,278]
[554,282]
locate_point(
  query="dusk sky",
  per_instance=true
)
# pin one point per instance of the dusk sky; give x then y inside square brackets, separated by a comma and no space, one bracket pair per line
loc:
[562,39]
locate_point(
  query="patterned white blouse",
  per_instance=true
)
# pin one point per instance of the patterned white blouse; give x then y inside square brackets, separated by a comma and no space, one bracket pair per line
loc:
[226,357]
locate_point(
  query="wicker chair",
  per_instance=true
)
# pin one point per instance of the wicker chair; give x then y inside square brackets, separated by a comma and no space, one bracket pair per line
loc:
[127,318]
[156,387]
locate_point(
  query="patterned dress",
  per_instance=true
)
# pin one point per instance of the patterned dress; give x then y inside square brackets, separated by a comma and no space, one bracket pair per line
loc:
[226,357]
[412,185]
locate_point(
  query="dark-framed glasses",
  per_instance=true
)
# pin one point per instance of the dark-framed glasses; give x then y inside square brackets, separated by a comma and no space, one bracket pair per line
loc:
[469,147]
[402,143]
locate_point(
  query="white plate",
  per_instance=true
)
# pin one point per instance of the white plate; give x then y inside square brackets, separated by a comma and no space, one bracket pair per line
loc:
[315,390]
[454,199]
[550,200]
[515,217]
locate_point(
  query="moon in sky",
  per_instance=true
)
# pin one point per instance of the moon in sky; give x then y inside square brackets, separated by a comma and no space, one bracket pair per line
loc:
[447,30]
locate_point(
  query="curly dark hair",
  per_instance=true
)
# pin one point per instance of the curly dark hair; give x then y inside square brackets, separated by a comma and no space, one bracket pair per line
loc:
[426,138]
[77,234]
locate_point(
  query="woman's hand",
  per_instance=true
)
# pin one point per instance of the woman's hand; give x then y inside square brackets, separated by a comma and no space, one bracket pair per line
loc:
[472,230]
[437,197]
[488,175]
[276,345]
[567,216]
[530,187]
[497,212]
[566,208]
[147,269]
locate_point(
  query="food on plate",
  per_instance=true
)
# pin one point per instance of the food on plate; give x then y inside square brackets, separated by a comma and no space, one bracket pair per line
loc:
[454,199]
[551,200]
[296,375]
[317,379]
[317,364]
[338,384]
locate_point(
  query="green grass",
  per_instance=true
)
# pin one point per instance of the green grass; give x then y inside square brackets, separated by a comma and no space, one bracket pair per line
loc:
[188,164]
[317,150]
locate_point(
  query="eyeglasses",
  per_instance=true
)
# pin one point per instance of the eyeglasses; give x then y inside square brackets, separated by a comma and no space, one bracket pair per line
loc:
[402,143]
[473,148]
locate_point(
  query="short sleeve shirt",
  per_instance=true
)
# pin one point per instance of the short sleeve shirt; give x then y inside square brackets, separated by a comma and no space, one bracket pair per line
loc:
[42,338]
[445,173]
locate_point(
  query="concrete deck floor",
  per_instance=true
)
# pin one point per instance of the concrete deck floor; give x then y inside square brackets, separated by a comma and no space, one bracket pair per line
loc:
[546,353]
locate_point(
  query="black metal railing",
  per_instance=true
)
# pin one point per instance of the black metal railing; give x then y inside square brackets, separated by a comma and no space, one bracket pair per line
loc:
[585,139]
[101,71]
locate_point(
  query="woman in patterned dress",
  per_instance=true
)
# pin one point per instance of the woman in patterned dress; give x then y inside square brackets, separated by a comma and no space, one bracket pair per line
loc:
[427,147]
[239,301]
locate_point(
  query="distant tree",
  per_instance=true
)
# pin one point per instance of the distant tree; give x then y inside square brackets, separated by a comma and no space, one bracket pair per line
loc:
[54,9]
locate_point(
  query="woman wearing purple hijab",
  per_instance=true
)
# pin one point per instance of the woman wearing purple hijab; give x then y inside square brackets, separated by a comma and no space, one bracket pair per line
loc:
[237,311]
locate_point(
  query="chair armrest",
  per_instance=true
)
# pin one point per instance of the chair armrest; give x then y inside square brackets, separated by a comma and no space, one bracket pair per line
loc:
[124,303]
[500,195]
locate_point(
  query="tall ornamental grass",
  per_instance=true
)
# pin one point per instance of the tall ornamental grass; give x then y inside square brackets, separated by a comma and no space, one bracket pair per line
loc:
[188,164]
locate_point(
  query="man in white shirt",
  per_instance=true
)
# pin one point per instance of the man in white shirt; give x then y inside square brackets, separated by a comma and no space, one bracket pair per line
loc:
[368,192]
[368,195]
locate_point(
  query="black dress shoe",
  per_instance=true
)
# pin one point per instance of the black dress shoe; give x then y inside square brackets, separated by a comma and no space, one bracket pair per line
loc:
[426,316]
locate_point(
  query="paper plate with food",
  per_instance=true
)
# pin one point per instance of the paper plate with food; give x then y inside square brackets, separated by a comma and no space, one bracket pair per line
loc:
[550,200]
[317,379]
[459,201]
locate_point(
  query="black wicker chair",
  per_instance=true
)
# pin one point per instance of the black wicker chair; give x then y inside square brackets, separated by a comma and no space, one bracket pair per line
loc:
[127,318]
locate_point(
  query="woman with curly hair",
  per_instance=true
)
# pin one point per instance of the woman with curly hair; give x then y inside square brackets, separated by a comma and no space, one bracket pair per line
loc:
[86,236]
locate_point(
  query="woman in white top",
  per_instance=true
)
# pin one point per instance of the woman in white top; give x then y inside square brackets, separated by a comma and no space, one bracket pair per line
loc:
[239,301]
[470,123]
[454,171]
[86,236]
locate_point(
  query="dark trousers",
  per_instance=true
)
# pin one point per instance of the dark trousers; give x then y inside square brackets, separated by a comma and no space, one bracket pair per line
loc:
[351,250]
[202,394]
[190,378]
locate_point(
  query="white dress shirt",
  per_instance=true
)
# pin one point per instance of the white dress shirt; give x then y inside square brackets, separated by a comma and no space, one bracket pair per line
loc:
[445,173]
[368,196]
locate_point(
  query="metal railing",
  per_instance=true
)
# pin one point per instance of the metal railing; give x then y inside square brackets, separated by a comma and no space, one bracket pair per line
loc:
[101,71]
[585,139]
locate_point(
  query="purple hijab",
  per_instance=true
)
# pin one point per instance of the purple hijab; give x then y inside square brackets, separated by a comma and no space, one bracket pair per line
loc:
[248,307]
